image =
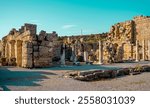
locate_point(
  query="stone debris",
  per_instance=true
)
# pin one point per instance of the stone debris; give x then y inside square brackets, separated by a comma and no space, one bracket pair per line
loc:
[92,75]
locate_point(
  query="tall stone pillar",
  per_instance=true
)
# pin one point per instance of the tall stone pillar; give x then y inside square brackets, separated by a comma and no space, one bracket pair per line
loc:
[75,54]
[143,50]
[16,47]
[137,50]
[12,49]
[63,56]
[148,49]
[7,51]
[132,52]
[3,49]
[100,52]
[85,56]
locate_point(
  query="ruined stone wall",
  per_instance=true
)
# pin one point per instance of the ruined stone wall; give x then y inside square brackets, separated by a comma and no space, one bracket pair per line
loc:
[142,32]
[142,27]
[120,42]
[27,49]
[44,49]
[123,38]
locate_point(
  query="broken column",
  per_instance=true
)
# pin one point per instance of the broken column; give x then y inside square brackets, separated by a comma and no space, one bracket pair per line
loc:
[63,55]
[100,52]
[85,56]
[73,53]
[143,50]
[75,56]
[137,50]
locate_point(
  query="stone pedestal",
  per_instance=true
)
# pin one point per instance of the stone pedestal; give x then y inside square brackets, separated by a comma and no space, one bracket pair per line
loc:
[137,50]
[143,50]
[100,52]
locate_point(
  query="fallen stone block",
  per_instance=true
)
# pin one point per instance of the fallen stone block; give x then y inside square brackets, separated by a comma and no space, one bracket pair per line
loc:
[146,68]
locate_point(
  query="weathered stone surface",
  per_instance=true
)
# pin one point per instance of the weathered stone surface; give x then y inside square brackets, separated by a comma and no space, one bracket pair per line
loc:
[125,42]
[29,49]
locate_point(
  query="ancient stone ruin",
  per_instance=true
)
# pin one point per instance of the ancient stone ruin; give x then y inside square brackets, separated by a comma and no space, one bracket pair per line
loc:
[126,41]
[25,48]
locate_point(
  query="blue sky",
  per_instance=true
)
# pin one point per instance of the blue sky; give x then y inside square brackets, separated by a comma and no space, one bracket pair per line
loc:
[68,17]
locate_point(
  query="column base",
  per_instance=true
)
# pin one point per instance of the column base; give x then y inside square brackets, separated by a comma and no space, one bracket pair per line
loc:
[100,63]
[137,60]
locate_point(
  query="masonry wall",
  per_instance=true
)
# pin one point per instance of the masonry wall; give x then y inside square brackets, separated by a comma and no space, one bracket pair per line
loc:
[142,32]
[25,48]
[142,28]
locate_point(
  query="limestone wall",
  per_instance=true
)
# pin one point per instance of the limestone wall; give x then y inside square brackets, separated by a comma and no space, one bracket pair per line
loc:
[27,54]
[142,32]
[29,49]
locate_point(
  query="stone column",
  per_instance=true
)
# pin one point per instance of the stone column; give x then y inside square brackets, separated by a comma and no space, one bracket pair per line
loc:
[75,54]
[143,50]
[148,49]
[137,50]
[16,46]
[132,52]
[12,49]
[63,56]
[3,49]
[100,52]
[7,51]
[86,56]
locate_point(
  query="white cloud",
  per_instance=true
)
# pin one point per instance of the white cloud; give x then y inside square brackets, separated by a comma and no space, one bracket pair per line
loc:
[68,26]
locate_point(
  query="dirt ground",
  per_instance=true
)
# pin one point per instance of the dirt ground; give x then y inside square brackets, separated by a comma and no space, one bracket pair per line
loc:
[51,79]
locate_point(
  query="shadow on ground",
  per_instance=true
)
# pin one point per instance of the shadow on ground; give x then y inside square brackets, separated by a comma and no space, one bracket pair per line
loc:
[21,78]
[80,68]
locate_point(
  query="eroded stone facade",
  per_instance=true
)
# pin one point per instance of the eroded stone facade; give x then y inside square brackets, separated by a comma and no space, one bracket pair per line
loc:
[25,48]
[120,44]
[129,40]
